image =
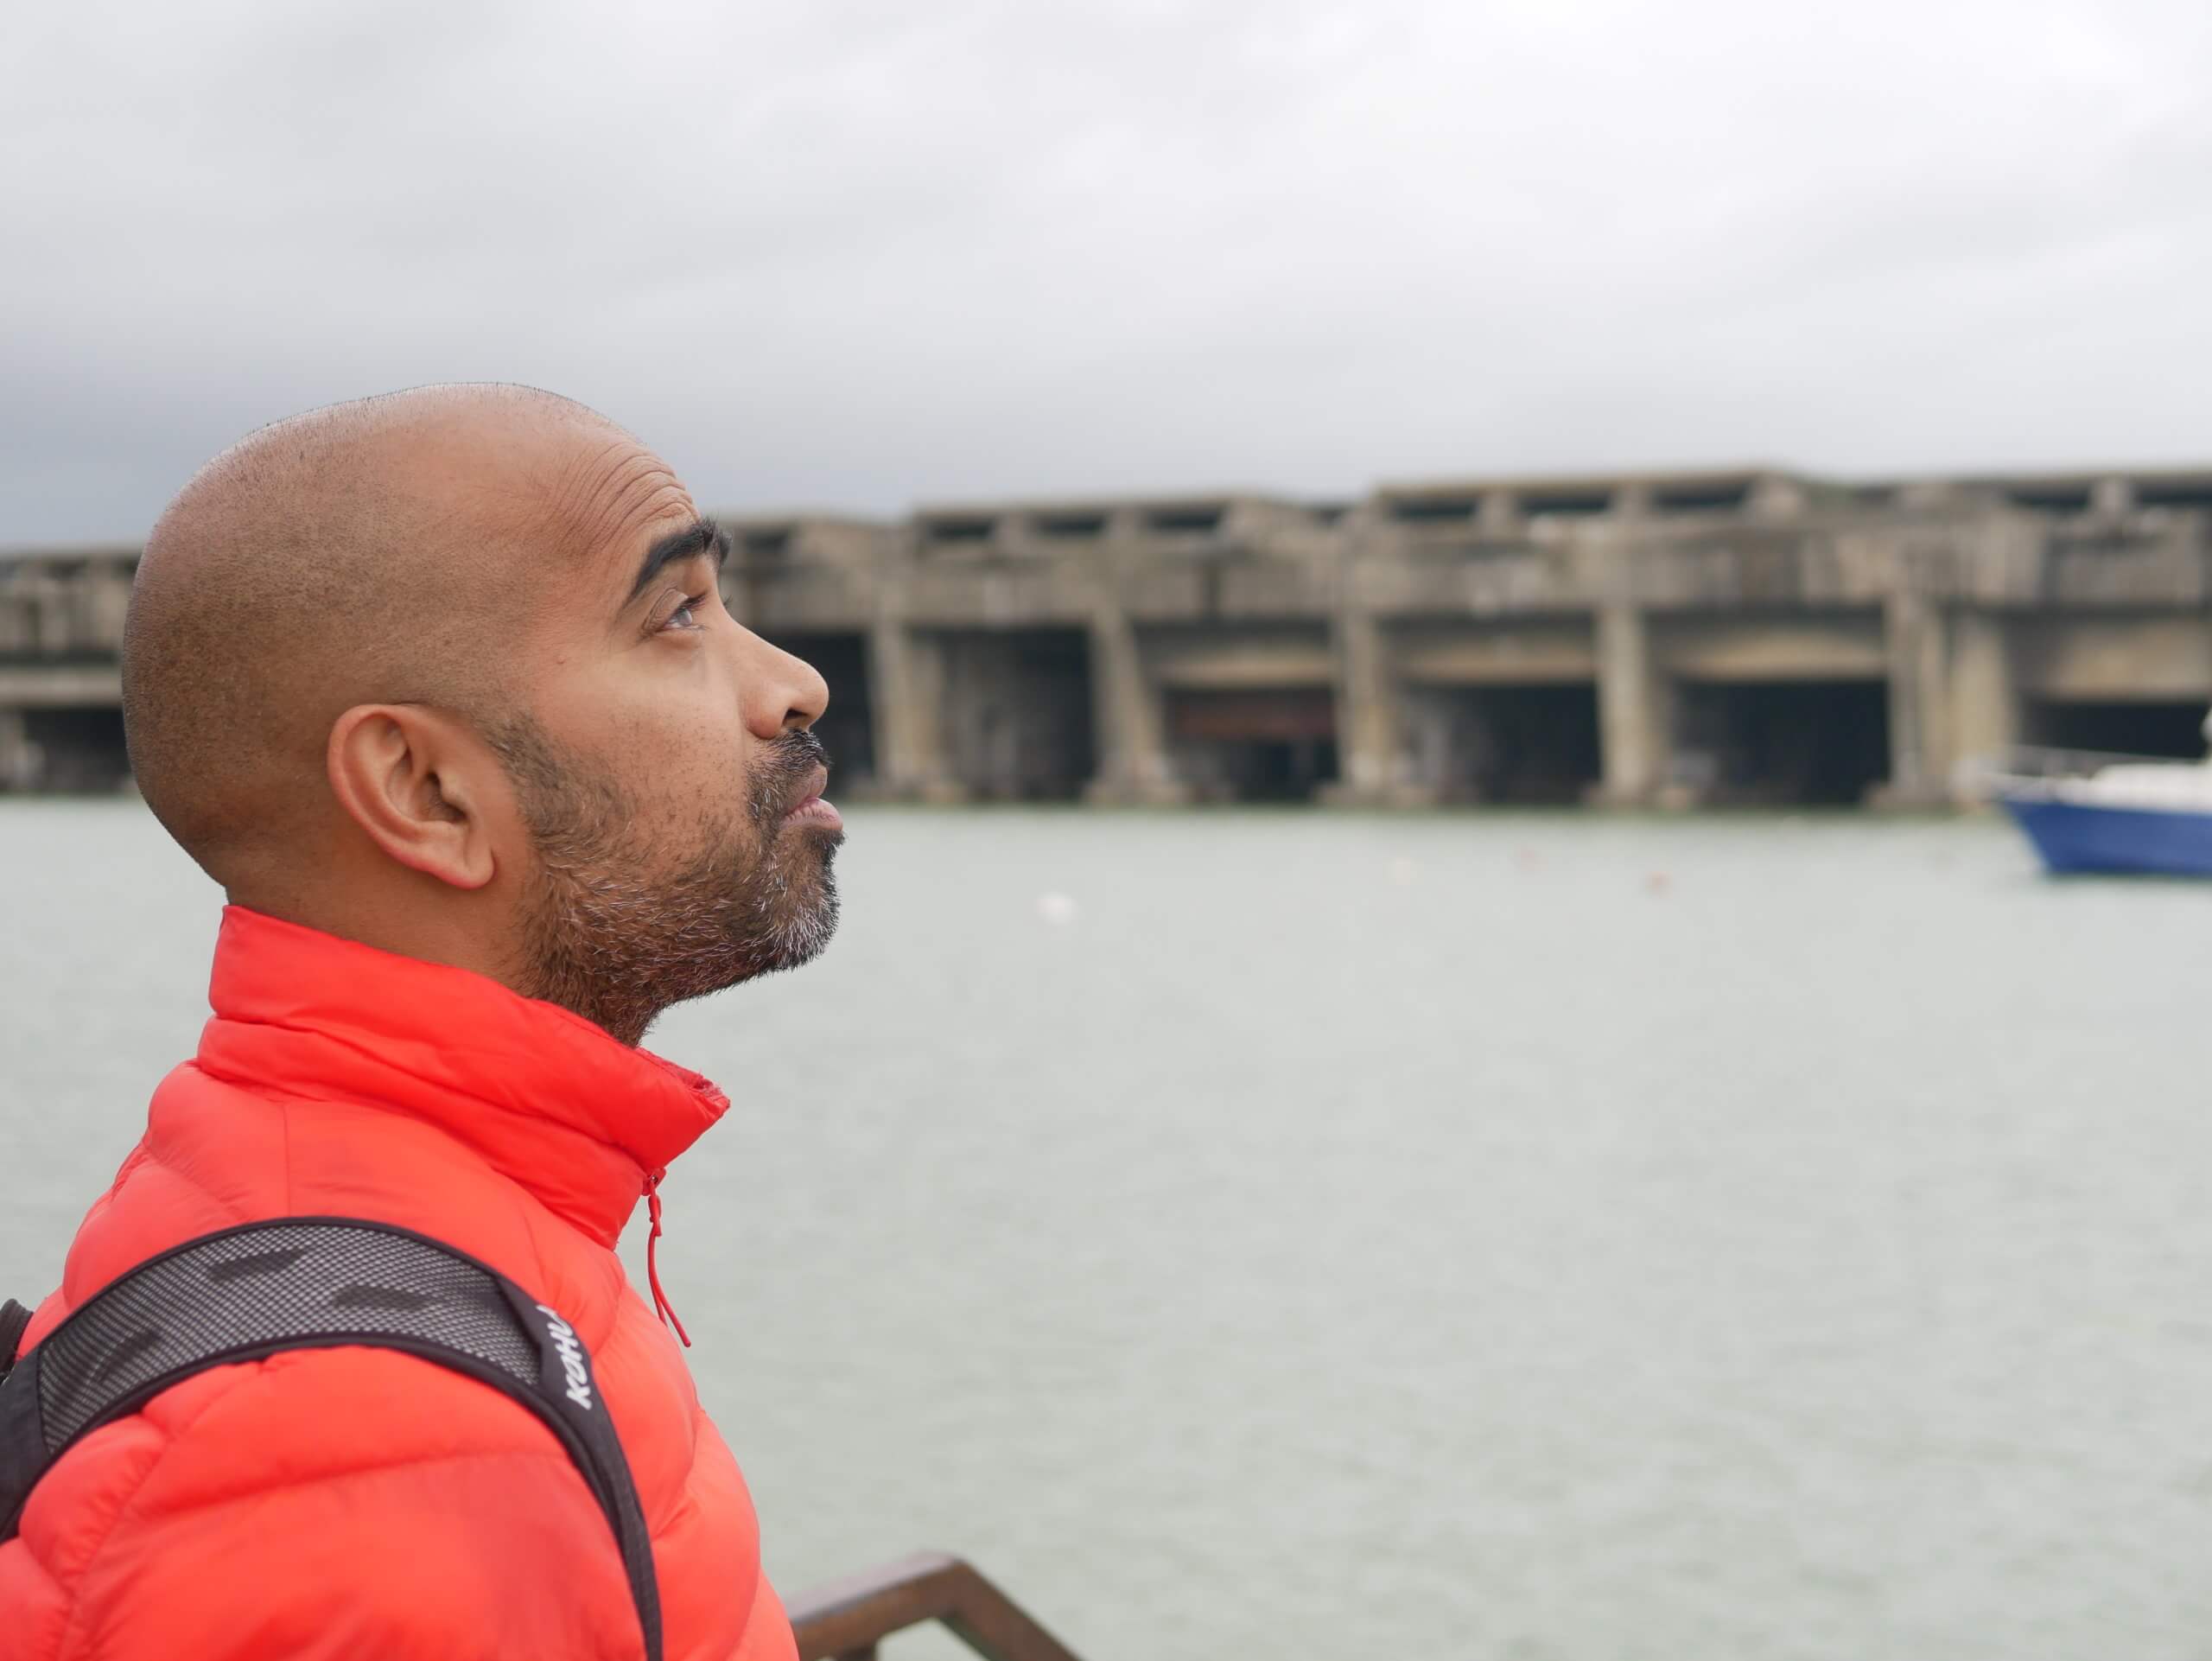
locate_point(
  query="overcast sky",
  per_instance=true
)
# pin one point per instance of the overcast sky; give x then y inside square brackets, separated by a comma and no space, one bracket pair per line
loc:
[859,256]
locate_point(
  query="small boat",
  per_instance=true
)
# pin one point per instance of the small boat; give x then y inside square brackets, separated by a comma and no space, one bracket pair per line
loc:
[2131,815]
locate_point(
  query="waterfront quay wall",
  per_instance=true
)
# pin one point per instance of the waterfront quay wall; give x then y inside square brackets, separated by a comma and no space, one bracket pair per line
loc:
[1674,639]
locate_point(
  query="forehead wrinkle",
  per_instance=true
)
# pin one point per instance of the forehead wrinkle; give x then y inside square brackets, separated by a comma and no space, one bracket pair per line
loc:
[604,496]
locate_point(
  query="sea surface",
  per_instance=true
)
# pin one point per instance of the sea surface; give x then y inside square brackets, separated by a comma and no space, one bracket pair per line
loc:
[1286,1234]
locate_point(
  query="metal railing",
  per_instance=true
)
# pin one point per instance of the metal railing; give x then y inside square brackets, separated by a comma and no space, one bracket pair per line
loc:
[846,1619]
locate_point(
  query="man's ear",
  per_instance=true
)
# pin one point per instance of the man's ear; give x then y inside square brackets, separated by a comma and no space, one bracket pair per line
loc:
[416,782]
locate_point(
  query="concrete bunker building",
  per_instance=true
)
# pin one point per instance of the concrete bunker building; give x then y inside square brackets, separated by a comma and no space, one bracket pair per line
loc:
[1749,635]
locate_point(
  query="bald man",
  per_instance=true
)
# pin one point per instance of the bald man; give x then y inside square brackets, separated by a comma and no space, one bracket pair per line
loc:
[439,687]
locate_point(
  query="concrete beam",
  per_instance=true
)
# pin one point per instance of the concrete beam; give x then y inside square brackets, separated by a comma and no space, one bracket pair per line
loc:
[1767,647]
[2150,657]
[61,686]
[1240,660]
[1539,652]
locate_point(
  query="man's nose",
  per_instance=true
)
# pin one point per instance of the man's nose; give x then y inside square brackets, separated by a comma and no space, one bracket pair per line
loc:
[783,692]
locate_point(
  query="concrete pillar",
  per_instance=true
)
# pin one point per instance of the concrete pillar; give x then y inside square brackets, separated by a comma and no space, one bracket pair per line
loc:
[46,602]
[21,763]
[906,676]
[1635,710]
[1129,719]
[1921,759]
[1375,759]
[1984,695]
[1774,499]
[107,607]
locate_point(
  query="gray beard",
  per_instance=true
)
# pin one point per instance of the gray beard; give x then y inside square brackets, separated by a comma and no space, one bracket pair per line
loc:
[616,930]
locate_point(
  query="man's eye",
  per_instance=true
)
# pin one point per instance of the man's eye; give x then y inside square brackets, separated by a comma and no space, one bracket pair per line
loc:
[685,615]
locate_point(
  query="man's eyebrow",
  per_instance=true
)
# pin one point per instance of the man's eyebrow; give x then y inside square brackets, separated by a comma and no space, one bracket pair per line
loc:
[702,536]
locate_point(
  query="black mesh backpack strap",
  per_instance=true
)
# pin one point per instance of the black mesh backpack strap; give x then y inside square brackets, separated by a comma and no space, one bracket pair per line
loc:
[315,1282]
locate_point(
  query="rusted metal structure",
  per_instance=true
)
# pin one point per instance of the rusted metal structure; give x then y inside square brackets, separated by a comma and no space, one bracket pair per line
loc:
[846,1620]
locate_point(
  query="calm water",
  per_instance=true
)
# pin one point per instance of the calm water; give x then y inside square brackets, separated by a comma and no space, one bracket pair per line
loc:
[1307,1236]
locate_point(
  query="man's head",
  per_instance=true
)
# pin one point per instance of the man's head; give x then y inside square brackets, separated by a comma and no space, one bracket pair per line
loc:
[447,672]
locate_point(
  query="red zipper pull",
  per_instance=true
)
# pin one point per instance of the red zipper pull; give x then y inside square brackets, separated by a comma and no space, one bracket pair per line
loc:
[661,1306]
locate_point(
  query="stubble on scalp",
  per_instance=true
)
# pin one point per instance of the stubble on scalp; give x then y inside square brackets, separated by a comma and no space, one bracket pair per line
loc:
[618,928]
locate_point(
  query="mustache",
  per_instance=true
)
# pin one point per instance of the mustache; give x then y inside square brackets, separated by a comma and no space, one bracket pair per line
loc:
[781,775]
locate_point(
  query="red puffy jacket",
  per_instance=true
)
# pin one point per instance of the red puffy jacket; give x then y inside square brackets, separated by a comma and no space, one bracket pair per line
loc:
[357,1502]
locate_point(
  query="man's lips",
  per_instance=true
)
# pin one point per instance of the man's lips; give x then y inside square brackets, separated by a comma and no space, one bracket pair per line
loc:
[810,809]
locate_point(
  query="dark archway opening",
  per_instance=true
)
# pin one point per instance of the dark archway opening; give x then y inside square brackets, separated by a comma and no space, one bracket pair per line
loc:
[1276,745]
[847,729]
[1018,724]
[1534,744]
[77,751]
[2115,727]
[1798,743]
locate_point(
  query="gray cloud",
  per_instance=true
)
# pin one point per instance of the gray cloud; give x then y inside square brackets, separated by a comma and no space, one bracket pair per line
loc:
[855,255]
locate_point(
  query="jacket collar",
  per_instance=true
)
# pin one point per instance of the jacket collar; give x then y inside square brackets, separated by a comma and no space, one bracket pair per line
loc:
[551,1101]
